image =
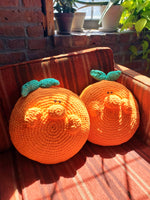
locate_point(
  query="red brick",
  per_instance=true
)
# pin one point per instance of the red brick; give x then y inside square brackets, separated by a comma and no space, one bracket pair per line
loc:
[7,3]
[35,54]
[96,40]
[11,58]
[126,57]
[63,41]
[134,37]
[111,39]
[37,44]
[79,41]
[118,58]
[16,44]
[2,46]
[35,31]
[32,3]
[17,15]
[127,37]
[12,31]
[33,16]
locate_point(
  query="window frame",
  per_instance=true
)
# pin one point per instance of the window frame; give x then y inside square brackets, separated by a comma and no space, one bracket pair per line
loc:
[49,21]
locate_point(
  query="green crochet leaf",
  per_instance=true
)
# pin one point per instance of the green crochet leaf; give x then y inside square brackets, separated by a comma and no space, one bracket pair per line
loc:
[48,82]
[113,76]
[98,75]
[34,84]
[29,87]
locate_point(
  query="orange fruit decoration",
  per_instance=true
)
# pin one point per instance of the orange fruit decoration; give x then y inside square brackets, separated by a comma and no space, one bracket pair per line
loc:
[49,125]
[113,110]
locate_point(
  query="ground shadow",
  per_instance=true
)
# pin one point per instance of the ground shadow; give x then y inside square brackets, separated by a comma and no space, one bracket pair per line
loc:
[17,171]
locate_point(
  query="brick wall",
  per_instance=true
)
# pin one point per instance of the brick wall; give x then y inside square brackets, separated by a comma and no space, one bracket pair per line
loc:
[118,42]
[21,31]
[22,37]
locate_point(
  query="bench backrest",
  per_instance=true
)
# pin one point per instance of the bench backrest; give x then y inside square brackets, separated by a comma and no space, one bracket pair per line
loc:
[72,70]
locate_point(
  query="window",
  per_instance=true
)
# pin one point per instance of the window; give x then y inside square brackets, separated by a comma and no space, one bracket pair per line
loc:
[92,12]
[91,19]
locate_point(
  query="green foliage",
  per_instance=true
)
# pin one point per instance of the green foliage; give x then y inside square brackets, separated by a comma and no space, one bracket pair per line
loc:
[136,16]
[141,49]
[64,6]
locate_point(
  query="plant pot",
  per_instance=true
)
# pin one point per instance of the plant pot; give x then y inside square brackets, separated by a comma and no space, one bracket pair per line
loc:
[78,21]
[64,22]
[111,20]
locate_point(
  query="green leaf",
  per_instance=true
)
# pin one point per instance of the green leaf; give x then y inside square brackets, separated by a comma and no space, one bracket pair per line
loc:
[129,22]
[148,52]
[142,5]
[147,36]
[48,82]
[29,87]
[134,50]
[128,4]
[148,25]
[113,75]
[98,75]
[145,46]
[140,24]
[146,14]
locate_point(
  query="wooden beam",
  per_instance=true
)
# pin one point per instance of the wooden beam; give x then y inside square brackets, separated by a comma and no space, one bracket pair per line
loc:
[49,17]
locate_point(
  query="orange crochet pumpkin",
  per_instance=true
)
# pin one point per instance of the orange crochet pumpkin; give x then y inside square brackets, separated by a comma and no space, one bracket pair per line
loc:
[113,110]
[50,125]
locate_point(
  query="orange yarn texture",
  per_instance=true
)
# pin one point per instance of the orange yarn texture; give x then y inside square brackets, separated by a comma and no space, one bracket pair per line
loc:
[113,110]
[50,125]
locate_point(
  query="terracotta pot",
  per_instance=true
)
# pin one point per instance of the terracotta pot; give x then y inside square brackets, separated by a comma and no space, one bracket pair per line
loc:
[111,20]
[78,21]
[64,22]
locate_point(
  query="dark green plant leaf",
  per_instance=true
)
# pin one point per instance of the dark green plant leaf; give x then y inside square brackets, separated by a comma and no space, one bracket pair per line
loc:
[148,25]
[145,46]
[146,14]
[142,5]
[147,36]
[134,50]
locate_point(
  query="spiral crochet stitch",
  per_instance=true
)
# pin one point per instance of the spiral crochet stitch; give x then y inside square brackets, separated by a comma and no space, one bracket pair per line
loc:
[50,125]
[113,110]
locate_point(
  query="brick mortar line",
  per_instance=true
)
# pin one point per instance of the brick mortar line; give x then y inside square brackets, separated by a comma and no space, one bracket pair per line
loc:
[22,24]
[21,8]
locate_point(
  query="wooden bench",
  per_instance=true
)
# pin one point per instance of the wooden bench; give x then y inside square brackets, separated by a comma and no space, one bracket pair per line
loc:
[96,172]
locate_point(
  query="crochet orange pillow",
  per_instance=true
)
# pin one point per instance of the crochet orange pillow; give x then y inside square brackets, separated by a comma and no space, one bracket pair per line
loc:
[113,110]
[49,125]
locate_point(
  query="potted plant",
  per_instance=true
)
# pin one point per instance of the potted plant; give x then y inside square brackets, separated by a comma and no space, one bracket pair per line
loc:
[64,15]
[136,16]
[111,13]
[78,22]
